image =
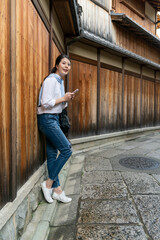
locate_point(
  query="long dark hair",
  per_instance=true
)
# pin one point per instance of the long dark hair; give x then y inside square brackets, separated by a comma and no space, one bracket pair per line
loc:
[58,59]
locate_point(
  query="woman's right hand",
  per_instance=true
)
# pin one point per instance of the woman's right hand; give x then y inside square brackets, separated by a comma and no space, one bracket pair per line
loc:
[68,96]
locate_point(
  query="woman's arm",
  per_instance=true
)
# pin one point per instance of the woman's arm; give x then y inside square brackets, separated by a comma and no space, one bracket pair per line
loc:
[66,98]
[48,99]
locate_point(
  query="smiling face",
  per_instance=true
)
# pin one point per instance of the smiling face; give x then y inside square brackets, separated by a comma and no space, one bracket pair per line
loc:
[63,67]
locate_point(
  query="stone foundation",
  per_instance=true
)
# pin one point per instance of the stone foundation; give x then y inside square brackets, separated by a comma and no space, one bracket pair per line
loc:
[15,216]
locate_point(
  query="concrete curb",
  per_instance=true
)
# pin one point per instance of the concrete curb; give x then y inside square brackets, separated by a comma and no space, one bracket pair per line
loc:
[86,142]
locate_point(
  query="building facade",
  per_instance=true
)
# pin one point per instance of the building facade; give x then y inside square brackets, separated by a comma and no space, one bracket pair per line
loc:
[115,64]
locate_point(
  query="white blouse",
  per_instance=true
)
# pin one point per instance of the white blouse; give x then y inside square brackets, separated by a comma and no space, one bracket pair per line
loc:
[51,90]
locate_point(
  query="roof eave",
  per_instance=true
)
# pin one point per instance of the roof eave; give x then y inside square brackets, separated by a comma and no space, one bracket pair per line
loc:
[124,20]
[111,47]
[67,12]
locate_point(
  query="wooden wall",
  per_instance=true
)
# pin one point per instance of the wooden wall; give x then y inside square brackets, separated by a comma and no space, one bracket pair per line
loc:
[136,44]
[24,62]
[130,41]
[139,6]
[5,121]
[82,111]
[31,67]
[110,100]
[127,101]
[94,15]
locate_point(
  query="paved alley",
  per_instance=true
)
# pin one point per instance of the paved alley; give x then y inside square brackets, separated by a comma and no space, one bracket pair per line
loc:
[115,191]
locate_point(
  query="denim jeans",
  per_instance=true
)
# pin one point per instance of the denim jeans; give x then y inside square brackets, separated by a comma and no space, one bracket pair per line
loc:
[55,140]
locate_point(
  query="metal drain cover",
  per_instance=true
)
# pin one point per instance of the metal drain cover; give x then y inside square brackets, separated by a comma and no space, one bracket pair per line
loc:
[140,163]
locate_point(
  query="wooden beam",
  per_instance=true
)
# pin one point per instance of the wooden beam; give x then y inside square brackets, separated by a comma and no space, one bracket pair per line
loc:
[13,110]
[155,98]
[124,2]
[50,35]
[41,13]
[141,95]
[122,103]
[98,89]
[67,77]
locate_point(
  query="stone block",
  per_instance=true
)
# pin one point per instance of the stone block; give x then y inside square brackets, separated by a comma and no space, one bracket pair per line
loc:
[63,233]
[149,209]
[9,231]
[66,213]
[110,152]
[99,232]
[93,163]
[101,177]
[73,185]
[107,211]
[104,191]
[141,183]
[21,217]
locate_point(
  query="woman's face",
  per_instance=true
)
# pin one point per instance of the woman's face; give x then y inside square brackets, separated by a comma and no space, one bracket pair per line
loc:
[64,67]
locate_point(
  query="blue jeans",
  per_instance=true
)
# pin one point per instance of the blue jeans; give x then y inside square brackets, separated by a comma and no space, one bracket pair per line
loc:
[55,140]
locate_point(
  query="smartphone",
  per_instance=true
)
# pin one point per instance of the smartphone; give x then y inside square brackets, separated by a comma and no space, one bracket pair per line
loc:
[75,91]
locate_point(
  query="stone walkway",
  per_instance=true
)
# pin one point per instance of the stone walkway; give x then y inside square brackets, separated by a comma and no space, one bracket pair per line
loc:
[110,201]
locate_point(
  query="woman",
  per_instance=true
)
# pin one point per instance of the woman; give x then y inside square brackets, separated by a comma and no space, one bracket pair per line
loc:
[52,101]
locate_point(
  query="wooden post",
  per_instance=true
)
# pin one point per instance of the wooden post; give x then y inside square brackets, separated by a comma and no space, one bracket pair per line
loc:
[155,98]
[98,89]
[50,36]
[141,96]
[67,77]
[13,110]
[122,103]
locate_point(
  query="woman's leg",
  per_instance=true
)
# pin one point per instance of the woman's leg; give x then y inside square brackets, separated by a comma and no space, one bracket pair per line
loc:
[51,163]
[55,139]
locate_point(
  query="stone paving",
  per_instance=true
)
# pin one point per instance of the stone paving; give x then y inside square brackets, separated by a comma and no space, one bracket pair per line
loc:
[110,201]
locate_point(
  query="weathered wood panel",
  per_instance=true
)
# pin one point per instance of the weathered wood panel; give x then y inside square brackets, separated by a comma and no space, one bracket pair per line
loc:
[110,100]
[82,111]
[103,3]
[131,108]
[157,119]
[136,101]
[55,53]
[31,67]
[136,44]
[122,8]
[96,20]
[147,103]
[5,137]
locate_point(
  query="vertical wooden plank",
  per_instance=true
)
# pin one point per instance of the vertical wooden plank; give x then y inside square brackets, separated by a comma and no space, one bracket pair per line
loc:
[5,110]
[122,103]
[141,96]
[155,98]
[23,84]
[13,144]
[31,110]
[50,35]
[98,89]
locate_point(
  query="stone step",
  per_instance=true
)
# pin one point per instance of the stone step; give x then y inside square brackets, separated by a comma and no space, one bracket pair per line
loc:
[38,228]
[30,230]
